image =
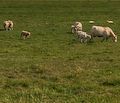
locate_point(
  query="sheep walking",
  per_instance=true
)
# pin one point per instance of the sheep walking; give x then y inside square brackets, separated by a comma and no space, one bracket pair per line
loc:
[83,36]
[8,25]
[105,32]
[25,34]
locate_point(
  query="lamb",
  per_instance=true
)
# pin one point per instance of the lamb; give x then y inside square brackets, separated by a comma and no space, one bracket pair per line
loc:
[8,25]
[25,34]
[77,26]
[83,36]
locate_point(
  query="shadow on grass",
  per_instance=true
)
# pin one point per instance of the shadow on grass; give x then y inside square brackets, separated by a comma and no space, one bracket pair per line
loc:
[76,41]
[69,32]
[111,83]
[2,29]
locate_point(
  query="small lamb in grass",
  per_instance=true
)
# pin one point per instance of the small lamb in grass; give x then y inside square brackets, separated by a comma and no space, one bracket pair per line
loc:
[8,25]
[83,36]
[25,34]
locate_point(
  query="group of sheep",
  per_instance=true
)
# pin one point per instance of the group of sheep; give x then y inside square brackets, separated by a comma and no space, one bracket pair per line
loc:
[96,31]
[8,25]
[76,28]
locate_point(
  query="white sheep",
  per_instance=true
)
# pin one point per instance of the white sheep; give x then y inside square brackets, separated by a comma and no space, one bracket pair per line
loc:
[83,36]
[8,25]
[105,32]
[25,34]
[76,26]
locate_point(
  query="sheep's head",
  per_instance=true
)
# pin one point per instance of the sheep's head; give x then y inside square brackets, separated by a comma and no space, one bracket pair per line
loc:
[115,38]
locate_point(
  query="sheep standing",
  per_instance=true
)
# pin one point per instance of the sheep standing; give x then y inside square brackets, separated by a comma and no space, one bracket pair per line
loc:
[25,34]
[77,26]
[8,25]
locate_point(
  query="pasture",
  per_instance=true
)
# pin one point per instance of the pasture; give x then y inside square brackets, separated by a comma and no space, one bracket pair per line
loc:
[52,66]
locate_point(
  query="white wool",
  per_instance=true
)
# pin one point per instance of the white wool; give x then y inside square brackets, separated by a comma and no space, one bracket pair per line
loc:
[77,26]
[105,32]
[8,25]
[83,36]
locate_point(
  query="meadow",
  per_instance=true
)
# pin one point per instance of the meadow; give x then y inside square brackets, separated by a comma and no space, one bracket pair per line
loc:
[52,66]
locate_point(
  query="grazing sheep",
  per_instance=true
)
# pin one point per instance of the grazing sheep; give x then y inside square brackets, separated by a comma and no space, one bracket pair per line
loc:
[105,32]
[77,26]
[8,25]
[25,34]
[83,36]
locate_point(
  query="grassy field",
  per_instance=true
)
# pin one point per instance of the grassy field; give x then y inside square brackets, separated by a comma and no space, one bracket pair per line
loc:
[53,66]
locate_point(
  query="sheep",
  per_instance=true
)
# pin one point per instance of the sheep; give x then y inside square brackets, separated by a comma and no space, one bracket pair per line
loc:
[83,36]
[105,32]
[25,34]
[77,26]
[8,25]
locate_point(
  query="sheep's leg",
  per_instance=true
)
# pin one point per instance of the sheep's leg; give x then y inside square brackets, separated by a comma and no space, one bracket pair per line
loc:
[9,29]
[107,38]
[73,30]
[92,36]
[86,40]
[22,37]
[81,40]
[103,39]
[6,28]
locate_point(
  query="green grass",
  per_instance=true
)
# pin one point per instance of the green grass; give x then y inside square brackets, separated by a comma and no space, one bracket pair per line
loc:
[52,66]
